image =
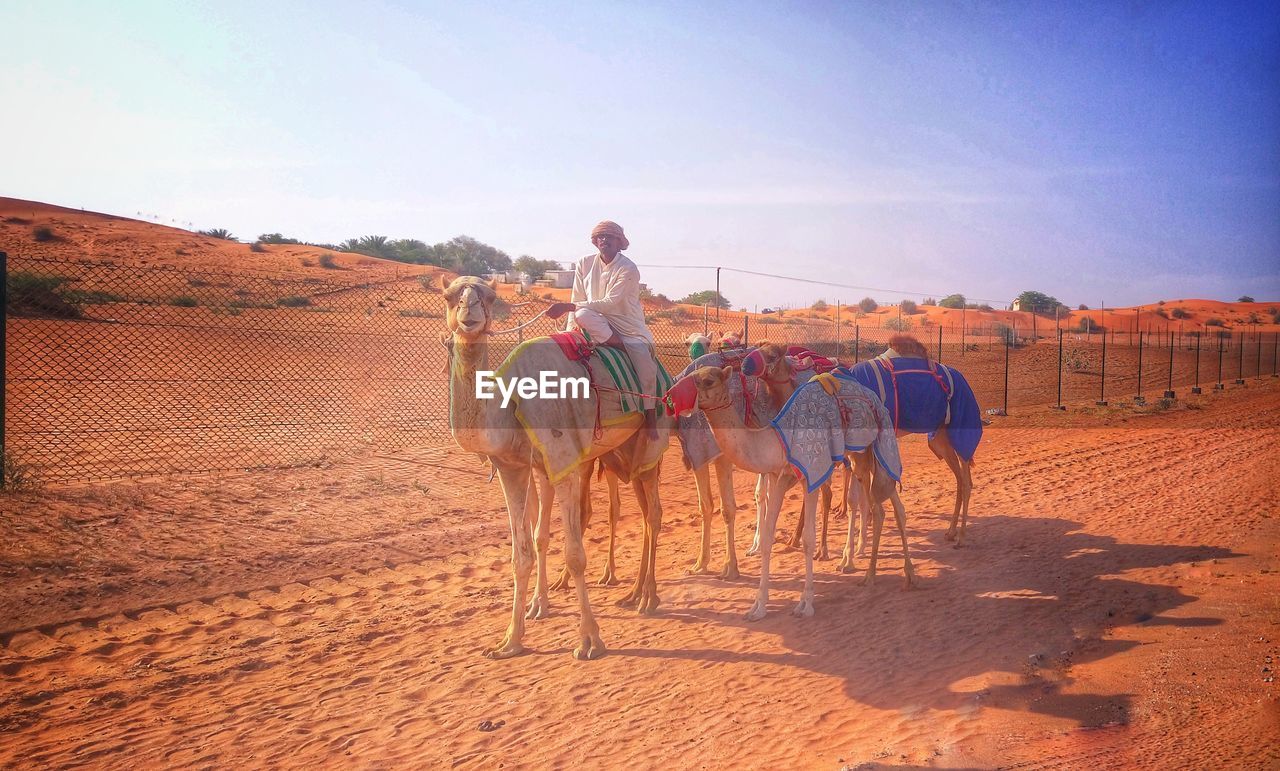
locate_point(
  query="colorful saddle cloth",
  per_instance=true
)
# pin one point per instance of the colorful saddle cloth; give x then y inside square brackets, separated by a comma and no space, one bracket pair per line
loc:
[829,416]
[921,396]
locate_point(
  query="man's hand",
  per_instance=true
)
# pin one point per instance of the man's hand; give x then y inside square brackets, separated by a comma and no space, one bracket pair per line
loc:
[559,309]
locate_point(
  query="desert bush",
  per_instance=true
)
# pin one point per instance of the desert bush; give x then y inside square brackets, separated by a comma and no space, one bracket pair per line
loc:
[867,305]
[1214,322]
[276,238]
[898,325]
[293,301]
[820,305]
[257,246]
[329,262]
[952,301]
[90,296]
[1087,326]
[908,306]
[32,294]
[1082,307]
[184,301]
[768,320]
[221,233]
[1180,313]
[415,313]
[1161,312]
[17,476]
[1244,298]
[43,233]
[197,282]
[929,301]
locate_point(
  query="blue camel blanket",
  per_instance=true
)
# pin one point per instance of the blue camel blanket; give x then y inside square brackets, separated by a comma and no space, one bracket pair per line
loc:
[921,396]
[825,419]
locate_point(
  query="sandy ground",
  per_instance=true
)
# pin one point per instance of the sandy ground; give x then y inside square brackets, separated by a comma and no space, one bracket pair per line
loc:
[1116,605]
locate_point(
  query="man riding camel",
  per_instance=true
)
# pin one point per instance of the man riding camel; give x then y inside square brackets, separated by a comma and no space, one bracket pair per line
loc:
[605,303]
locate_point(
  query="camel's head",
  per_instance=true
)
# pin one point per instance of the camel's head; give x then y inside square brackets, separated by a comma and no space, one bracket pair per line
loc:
[713,386]
[470,302]
[777,367]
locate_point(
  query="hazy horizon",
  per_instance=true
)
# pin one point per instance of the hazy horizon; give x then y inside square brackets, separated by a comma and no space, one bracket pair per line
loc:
[1096,152]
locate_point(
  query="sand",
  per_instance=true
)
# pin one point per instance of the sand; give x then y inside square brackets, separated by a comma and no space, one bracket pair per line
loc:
[1115,606]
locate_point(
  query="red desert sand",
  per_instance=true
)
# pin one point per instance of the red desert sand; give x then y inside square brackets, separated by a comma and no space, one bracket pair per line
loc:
[1115,606]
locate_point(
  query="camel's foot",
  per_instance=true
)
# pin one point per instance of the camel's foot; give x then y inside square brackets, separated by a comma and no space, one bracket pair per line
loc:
[699,568]
[821,553]
[846,563]
[950,535]
[908,584]
[730,572]
[804,608]
[562,581]
[758,611]
[648,604]
[506,650]
[794,543]
[608,577]
[869,579]
[591,647]
[539,606]
[755,548]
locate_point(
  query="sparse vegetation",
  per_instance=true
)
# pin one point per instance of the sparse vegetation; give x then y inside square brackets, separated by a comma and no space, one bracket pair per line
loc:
[415,313]
[184,301]
[1214,322]
[31,294]
[898,325]
[276,238]
[1244,298]
[328,261]
[820,305]
[706,297]
[1082,307]
[908,307]
[257,246]
[293,301]
[534,268]
[952,301]
[17,476]
[221,233]
[868,305]
[1180,313]
[43,233]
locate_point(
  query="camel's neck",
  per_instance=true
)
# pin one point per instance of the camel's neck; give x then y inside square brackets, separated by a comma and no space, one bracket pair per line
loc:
[754,449]
[475,423]
[779,389]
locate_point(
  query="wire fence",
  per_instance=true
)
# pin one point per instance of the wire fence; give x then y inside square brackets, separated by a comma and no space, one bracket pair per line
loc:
[113,370]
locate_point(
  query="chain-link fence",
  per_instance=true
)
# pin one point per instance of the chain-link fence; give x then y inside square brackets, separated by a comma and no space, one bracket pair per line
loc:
[115,370]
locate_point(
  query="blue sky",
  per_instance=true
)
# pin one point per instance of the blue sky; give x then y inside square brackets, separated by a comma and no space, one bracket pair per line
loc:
[1110,152]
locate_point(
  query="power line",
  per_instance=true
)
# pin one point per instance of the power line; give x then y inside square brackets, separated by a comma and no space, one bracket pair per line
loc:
[816,281]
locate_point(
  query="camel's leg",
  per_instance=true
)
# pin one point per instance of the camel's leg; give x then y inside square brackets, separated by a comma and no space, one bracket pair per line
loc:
[877,512]
[804,608]
[966,482]
[728,510]
[540,606]
[853,500]
[762,495]
[609,577]
[826,492]
[702,481]
[777,487]
[590,645]
[899,513]
[647,601]
[644,592]
[859,497]
[940,444]
[517,488]
[562,581]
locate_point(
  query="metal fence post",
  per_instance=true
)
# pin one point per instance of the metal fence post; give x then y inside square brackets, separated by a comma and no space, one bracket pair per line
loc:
[1257,365]
[857,342]
[1102,381]
[939,342]
[1196,388]
[1275,352]
[746,329]
[4,378]
[1240,362]
[1060,369]
[1218,386]
[1007,339]
[1139,399]
[1168,392]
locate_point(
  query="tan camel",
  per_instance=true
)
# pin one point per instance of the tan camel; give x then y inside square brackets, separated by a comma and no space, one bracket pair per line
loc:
[485,427]
[779,380]
[760,450]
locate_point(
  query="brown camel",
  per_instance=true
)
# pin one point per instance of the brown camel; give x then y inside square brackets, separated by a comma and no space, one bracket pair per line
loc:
[760,450]
[485,427]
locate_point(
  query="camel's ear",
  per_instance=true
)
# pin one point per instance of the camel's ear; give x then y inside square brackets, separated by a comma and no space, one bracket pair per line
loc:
[726,373]
[492,284]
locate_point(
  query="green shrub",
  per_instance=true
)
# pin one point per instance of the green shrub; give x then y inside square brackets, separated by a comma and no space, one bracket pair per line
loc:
[293,302]
[43,233]
[17,476]
[908,306]
[898,325]
[184,301]
[32,294]
[867,305]
[327,261]
[820,305]
[1180,313]
[1214,322]
[221,233]
[257,246]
